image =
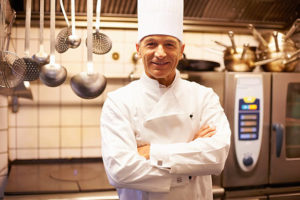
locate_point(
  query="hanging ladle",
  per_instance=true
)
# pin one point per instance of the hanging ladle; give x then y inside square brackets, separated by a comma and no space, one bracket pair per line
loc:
[89,85]
[61,43]
[101,42]
[41,57]
[73,40]
[53,74]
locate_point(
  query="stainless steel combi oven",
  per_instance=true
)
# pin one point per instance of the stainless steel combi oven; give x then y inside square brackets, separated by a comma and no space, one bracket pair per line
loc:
[285,134]
[263,110]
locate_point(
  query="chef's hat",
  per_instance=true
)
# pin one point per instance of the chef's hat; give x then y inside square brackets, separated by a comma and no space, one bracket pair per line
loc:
[160,17]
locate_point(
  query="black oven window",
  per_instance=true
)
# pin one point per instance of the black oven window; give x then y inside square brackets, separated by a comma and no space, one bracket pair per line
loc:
[293,121]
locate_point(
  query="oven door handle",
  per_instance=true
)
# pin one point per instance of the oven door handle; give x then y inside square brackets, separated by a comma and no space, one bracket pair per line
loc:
[278,128]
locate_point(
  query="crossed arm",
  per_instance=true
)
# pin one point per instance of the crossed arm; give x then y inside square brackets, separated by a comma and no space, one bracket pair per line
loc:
[205,131]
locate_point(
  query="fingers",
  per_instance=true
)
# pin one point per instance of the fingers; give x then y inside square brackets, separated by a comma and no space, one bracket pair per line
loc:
[210,134]
[205,131]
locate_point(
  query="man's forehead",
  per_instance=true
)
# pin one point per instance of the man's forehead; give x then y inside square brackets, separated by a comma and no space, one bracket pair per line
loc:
[160,37]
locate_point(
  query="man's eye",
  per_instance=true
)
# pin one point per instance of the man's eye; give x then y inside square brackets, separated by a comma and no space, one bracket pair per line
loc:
[170,45]
[150,44]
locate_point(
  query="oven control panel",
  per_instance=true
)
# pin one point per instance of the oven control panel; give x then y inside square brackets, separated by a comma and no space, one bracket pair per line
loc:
[248,120]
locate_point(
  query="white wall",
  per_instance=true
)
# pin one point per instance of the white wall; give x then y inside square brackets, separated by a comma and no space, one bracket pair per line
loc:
[3,143]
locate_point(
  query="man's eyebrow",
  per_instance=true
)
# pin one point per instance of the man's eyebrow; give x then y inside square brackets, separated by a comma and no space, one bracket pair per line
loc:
[149,40]
[171,41]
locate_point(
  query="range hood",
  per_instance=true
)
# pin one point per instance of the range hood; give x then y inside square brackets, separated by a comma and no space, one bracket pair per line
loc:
[274,14]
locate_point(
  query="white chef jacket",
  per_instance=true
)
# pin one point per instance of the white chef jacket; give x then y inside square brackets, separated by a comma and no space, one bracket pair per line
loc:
[167,118]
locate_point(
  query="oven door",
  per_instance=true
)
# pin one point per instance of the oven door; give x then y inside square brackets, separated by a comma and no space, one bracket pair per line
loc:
[285,134]
[291,196]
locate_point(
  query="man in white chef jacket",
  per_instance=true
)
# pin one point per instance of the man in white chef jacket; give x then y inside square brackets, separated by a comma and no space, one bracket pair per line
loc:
[162,136]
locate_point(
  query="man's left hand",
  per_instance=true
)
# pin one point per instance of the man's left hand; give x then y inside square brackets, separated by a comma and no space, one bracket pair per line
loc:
[144,151]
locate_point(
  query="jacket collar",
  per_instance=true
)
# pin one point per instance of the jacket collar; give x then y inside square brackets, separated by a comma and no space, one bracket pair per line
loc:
[154,84]
[168,103]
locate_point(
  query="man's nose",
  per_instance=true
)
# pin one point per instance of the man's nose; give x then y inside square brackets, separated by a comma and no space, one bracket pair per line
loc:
[160,51]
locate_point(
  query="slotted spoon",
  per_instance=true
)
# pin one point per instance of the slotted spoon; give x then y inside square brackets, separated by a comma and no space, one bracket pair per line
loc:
[101,43]
[61,43]
[32,71]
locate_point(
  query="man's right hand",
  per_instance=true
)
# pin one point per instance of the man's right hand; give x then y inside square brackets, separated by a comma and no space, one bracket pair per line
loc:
[205,131]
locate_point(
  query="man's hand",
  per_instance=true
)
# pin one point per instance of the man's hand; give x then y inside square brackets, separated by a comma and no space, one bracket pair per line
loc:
[144,150]
[205,131]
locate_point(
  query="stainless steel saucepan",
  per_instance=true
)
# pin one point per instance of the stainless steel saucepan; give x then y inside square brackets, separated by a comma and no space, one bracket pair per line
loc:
[277,52]
[238,59]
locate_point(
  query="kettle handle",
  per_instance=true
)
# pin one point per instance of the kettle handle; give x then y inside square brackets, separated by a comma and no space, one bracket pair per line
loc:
[278,128]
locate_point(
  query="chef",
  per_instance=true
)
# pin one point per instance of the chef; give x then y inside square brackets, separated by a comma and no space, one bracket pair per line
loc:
[162,136]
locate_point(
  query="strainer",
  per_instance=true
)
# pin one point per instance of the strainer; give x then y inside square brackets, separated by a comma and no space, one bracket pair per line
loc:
[12,69]
[101,43]
[32,70]
[61,43]
[11,73]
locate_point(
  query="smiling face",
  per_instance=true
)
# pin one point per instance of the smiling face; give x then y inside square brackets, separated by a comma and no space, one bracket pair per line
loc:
[160,55]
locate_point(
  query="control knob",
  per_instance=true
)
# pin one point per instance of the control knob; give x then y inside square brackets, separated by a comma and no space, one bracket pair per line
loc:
[248,161]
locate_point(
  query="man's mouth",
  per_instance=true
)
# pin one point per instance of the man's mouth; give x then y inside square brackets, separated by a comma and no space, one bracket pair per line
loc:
[160,63]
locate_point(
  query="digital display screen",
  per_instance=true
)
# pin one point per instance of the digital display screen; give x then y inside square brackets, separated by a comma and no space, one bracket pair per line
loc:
[248,120]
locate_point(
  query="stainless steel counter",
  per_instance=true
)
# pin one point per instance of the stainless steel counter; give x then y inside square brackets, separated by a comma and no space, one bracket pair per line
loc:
[80,179]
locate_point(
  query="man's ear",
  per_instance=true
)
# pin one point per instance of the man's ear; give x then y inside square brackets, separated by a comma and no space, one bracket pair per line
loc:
[182,50]
[137,46]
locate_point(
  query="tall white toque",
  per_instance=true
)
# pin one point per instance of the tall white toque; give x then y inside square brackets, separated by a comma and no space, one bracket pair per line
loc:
[160,17]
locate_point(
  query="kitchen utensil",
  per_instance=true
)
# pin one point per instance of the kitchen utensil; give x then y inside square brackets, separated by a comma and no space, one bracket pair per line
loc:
[32,71]
[258,36]
[292,29]
[238,59]
[277,52]
[61,43]
[222,44]
[7,10]
[282,50]
[196,65]
[89,85]
[20,90]
[12,16]
[101,42]
[53,74]
[12,69]
[11,73]
[135,57]
[41,57]
[73,40]
[2,25]
[231,36]
[241,61]
[275,35]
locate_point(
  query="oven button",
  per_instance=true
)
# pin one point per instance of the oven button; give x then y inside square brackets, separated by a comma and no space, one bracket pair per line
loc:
[248,161]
